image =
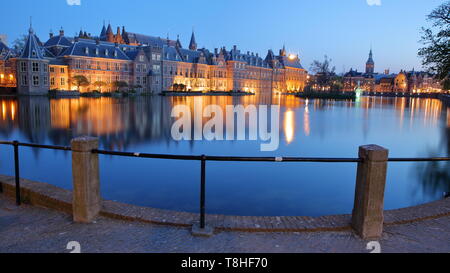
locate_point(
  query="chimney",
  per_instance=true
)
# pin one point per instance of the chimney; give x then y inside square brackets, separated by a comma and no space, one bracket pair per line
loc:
[61,32]
[51,34]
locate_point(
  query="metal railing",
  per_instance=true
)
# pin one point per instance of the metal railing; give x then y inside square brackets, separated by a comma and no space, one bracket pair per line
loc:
[202,158]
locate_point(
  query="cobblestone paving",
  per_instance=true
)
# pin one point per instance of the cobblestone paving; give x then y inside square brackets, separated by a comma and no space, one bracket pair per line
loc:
[35,229]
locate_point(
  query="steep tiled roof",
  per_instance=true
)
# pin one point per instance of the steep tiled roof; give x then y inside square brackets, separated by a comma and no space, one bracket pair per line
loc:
[288,62]
[33,47]
[89,48]
[58,41]
[149,40]
[3,47]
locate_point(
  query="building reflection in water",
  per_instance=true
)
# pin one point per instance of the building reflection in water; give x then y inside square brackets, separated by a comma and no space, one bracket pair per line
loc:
[331,127]
[121,122]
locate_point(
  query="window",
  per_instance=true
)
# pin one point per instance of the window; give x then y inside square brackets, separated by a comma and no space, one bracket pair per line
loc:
[45,80]
[106,52]
[52,81]
[86,50]
[62,70]
[63,81]
[45,67]
[153,56]
[98,66]
[24,80]
[108,66]
[52,69]
[35,67]
[116,65]
[138,80]
[156,68]
[141,58]
[23,67]
[144,80]
[36,80]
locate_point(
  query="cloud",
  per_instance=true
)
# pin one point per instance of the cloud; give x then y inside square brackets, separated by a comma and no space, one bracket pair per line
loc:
[78,2]
[374,2]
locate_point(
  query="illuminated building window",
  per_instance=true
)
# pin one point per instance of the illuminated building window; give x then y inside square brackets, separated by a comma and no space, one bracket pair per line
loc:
[52,81]
[62,70]
[63,81]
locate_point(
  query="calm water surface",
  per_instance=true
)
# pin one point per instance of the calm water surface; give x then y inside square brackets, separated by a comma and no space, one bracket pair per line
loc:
[315,128]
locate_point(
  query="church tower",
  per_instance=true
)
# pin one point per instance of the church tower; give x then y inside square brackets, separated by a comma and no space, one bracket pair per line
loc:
[370,64]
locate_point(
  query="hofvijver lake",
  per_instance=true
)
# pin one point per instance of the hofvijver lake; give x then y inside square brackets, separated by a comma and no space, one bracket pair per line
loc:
[315,128]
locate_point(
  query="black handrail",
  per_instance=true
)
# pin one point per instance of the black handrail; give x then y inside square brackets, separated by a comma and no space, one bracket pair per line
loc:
[203,159]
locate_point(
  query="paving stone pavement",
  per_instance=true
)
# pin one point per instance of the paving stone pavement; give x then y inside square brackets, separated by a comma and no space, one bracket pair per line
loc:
[34,229]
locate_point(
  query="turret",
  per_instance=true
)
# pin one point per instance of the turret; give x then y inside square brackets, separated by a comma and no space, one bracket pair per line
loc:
[193,43]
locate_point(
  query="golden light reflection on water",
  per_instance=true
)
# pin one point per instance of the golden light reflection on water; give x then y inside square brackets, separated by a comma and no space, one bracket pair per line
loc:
[448,116]
[89,116]
[289,125]
[150,117]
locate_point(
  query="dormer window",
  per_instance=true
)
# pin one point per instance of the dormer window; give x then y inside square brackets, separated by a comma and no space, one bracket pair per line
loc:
[86,50]
[115,53]
[106,52]
[33,53]
[96,51]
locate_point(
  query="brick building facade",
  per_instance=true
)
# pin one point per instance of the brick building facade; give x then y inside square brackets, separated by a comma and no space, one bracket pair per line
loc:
[146,64]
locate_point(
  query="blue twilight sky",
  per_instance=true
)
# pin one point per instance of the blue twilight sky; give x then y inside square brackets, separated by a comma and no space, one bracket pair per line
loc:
[342,29]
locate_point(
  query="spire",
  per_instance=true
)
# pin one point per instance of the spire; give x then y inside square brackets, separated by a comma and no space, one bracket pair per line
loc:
[103,32]
[283,51]
[178,44]
[109,30]
[32,48]
[30,30]
[370,60]
[193,44]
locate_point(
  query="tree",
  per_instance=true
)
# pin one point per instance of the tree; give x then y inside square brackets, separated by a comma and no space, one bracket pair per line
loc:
[436,51]
[120,84]
[19,43]
[99,85]
[79,80]
[324,73]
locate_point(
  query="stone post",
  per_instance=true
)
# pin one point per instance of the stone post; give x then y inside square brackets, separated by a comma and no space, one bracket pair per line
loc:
[367,216]
[86,201]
